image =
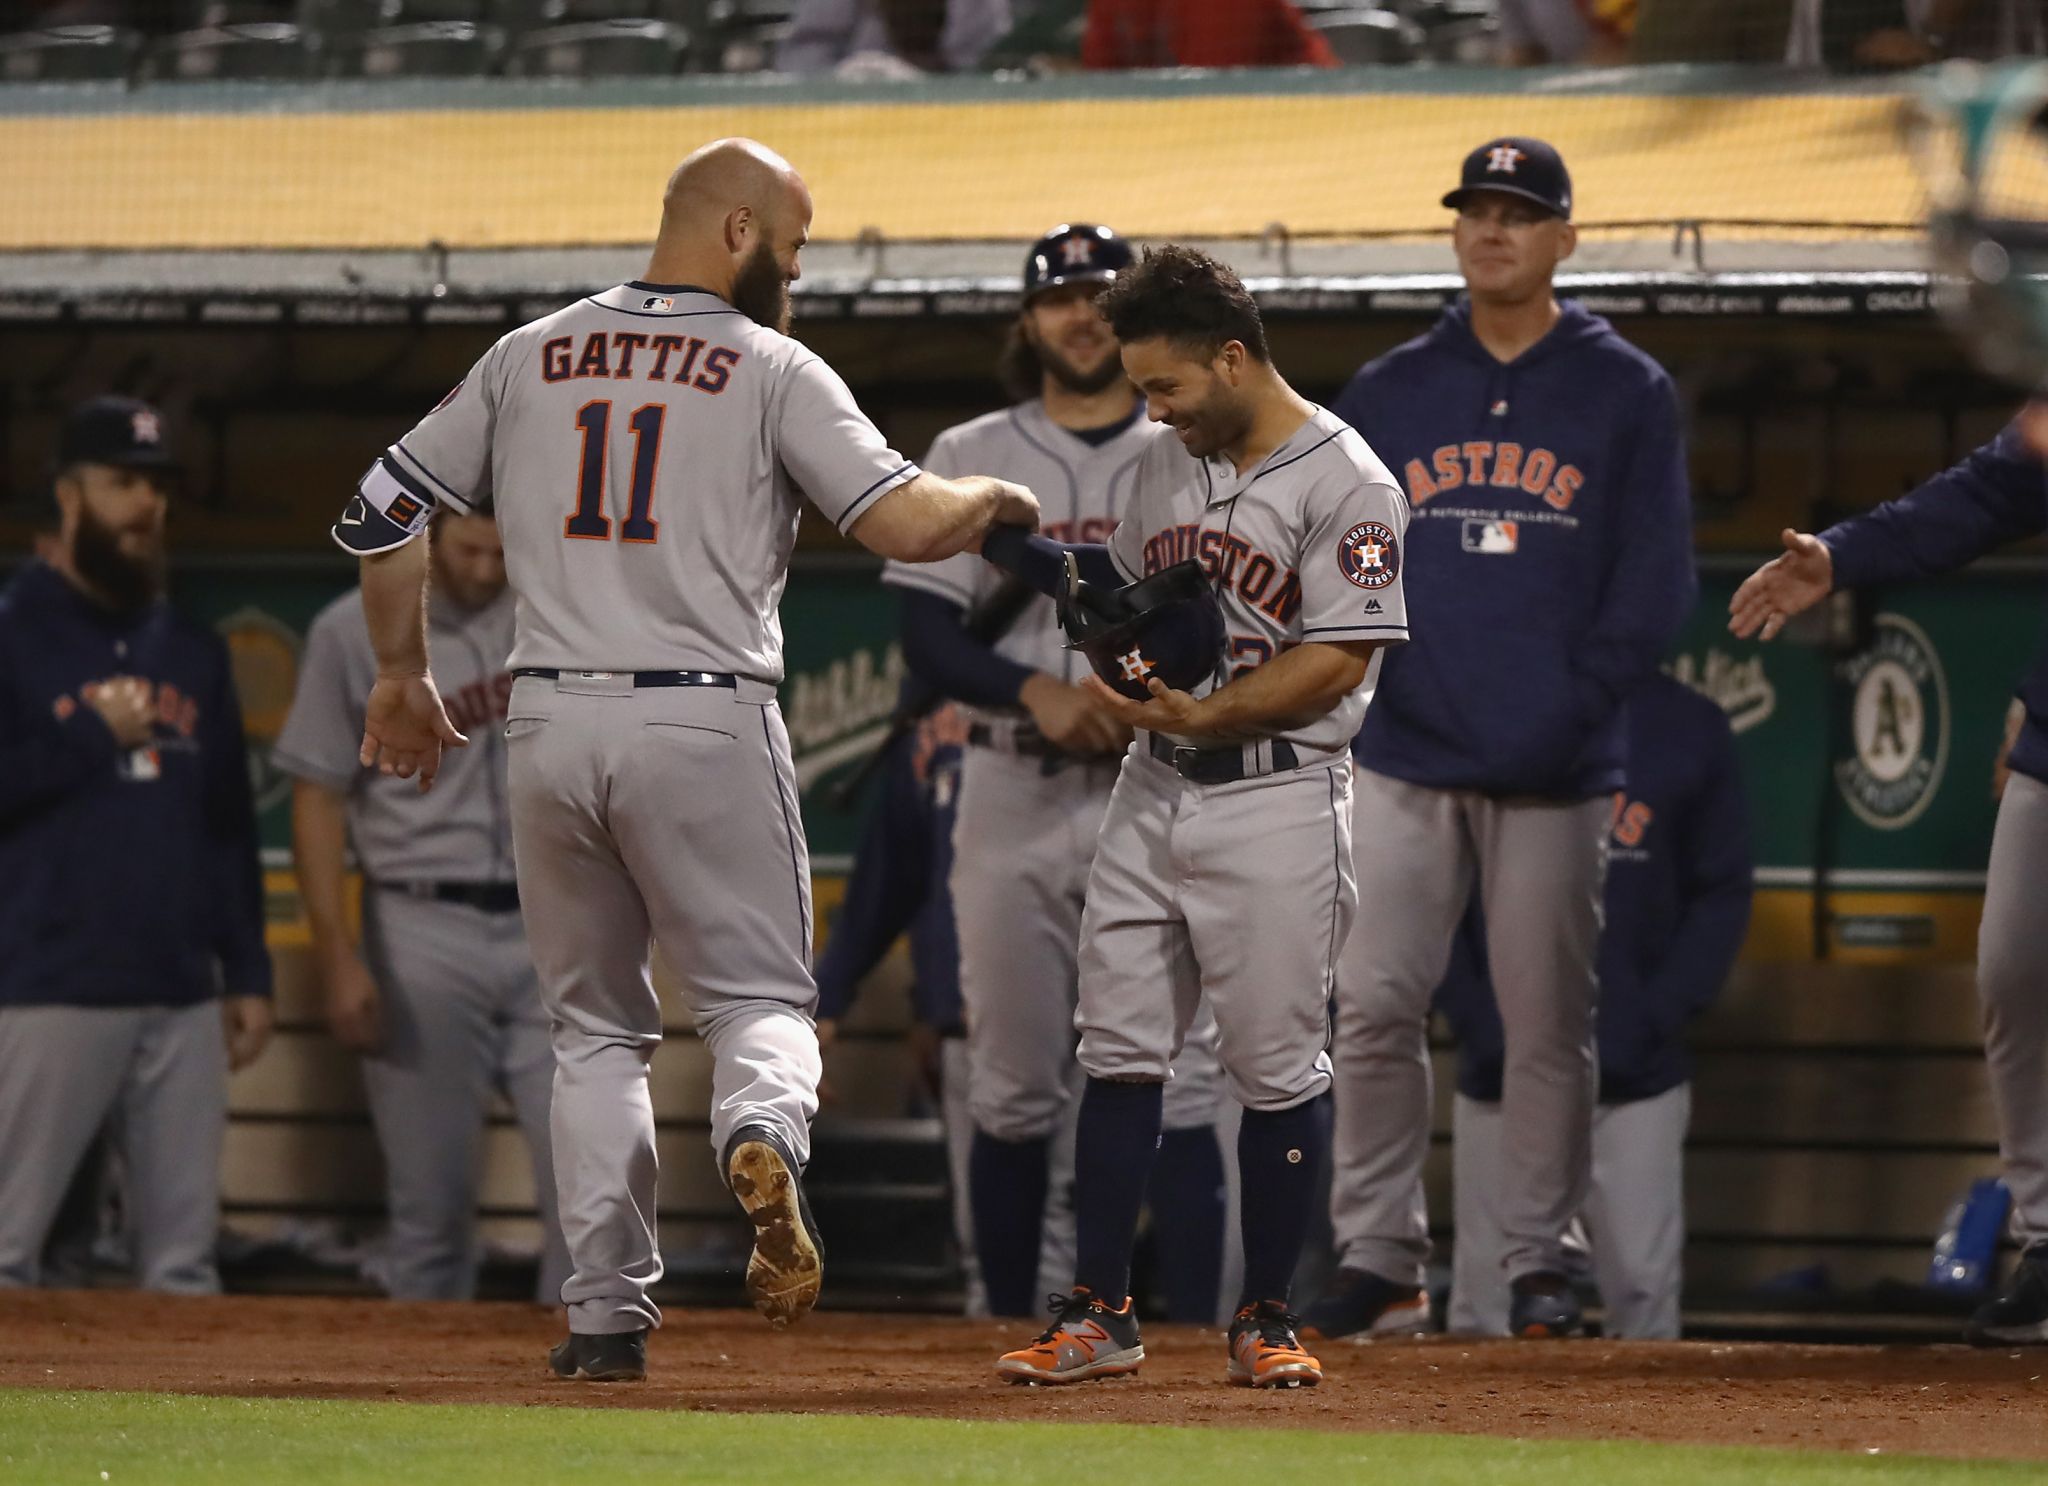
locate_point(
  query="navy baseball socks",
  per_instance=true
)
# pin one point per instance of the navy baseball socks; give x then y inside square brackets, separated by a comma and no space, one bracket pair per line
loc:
[1094,1331]
[1280,1155]
[1006,1187]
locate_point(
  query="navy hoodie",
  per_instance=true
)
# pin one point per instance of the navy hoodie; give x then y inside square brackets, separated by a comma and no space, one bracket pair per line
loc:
[1549,556]
[132,876]
[1678,888]
[1997,494]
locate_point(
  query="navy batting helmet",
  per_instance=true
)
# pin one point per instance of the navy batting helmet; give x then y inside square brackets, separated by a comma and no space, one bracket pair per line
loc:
[1074,253]
[1167,626]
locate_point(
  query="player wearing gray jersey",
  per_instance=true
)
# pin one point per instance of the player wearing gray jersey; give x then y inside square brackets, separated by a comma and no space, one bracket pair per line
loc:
[441,998]
[1035,781]
[644,451]
[1224,868]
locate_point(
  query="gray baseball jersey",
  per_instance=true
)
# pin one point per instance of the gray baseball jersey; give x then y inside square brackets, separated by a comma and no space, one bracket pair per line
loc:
[461,830]
[644,450]
[1305,546]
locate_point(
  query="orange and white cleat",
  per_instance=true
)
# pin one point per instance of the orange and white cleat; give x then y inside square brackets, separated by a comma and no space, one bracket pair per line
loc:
[1086,1340]
[1264,1351]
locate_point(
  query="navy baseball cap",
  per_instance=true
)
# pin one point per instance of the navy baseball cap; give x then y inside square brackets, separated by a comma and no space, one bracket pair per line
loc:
[122,431]
[1528,168]
[1074,253]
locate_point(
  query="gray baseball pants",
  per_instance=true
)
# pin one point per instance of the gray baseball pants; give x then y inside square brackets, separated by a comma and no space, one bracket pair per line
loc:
[1541,867]
[665,814]
[2012,985]
[1634,1215]
[462,1020]
[162,1073]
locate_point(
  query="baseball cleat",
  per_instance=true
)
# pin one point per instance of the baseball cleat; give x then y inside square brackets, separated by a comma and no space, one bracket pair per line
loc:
[1543,1307]
[1266,1353]
[615,1357]
[2020,1313]
[1361,1305]
[1086,1340]
[788,1262]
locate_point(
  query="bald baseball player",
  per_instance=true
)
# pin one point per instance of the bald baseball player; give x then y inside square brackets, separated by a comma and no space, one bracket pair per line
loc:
[439,996]
[1042,755]
[1223,871]
[644,451]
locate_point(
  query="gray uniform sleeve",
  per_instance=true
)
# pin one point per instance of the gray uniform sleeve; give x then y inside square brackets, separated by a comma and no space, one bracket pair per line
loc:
[1351,559]
[830,447]
[447,456]
[960,579]
[325,727]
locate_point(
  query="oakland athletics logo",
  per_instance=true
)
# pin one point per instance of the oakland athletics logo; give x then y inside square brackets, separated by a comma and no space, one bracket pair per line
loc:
[1369,556]
[1898,724]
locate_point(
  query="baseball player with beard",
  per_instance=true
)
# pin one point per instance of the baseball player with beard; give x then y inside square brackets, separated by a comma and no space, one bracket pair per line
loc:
[440,998]
[1041,759]
[644,451]
[1223,872]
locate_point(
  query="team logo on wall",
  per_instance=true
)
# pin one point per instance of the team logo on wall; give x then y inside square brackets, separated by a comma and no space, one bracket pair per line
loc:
[264,655]
[1899,724]
[1369,555]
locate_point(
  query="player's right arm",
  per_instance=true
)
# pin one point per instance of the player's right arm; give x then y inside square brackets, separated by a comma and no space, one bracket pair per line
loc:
[867,490]
[1997,494]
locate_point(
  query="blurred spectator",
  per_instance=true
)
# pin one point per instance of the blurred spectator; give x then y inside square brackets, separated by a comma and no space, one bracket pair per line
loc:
[1677,901]
[890,38]
[1534,33]
[442,999]
[128,845]
[1201,33]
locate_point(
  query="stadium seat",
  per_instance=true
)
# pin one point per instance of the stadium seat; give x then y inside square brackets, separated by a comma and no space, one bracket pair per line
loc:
[1366,38]
[254,50]
[69,54]
[428,49]
[202,15]
[1459,31]
[627,48]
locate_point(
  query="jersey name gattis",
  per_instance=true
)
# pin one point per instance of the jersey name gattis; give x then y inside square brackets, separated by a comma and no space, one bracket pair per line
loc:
[1262,581]
[630,355]
[1498,465]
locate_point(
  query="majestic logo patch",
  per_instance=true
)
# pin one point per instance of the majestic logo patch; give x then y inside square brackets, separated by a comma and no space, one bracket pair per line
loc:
[1482,535]
[1899,724]
[1369,556]
[1135,666]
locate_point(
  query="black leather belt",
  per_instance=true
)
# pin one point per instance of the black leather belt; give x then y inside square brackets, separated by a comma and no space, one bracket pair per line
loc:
[489,897]
[640,678]
[1028,742]
[1215,765]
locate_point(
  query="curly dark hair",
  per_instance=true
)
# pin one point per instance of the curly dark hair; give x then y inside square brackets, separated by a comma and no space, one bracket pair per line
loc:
[1184,295]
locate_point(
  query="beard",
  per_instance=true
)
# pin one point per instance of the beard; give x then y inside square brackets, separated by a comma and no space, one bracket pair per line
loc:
[129,581]
[1083,383]
[1214,426]
[761,291]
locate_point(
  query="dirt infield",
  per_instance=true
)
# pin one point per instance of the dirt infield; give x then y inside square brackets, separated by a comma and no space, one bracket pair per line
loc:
[1945,1400]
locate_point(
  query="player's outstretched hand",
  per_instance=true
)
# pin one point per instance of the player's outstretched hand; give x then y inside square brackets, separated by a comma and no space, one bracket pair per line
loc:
[1169,711]
[405,728]
[1790,583]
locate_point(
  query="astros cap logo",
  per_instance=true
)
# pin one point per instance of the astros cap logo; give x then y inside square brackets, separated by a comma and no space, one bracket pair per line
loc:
[1078,252]
[146,427]
[1136,667]
[1502,158]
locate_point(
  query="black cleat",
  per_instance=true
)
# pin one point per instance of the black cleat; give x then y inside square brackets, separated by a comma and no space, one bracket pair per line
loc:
[788,1263]
[1363,1305]
[1542,1306]
[2020,1313]
[615,1357]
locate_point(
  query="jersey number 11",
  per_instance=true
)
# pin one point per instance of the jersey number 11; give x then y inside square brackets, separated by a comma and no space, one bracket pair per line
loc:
[588,521]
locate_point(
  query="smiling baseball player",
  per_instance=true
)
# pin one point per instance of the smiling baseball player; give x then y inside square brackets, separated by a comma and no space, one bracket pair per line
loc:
[1224,867]
[644,451]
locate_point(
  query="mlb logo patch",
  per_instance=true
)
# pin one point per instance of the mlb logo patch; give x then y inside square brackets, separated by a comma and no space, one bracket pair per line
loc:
[657,302]
[1492,536]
